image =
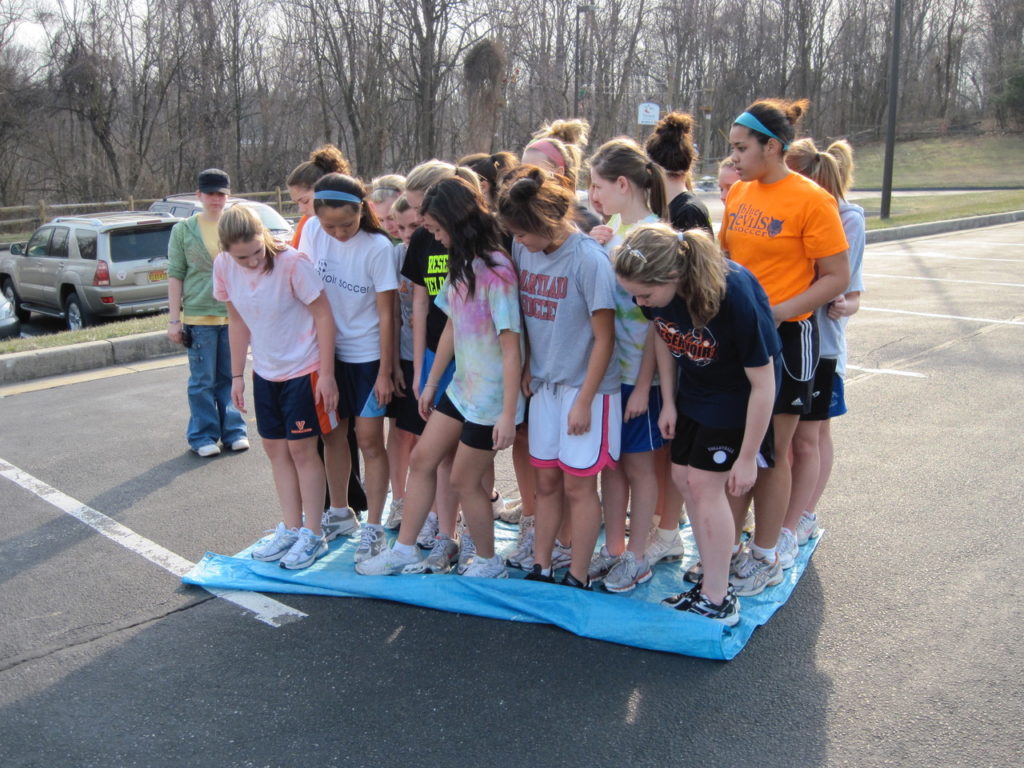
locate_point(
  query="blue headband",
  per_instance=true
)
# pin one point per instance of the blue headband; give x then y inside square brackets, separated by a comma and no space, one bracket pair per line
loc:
[330,194]
[750,121]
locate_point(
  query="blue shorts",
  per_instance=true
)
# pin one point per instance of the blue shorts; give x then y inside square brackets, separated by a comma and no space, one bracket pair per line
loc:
[287,410]
[838,405]
[641,434]
[446,377]
[355,390]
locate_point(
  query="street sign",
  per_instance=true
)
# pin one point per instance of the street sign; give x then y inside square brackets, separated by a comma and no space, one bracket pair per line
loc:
[648,113]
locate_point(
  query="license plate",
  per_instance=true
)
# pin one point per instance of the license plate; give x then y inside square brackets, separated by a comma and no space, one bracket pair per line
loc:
[157,275]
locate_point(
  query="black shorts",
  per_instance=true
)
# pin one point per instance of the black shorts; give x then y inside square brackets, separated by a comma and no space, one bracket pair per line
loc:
[715,449]
[799,359]
[405,409]
[821,397]
[288,410]
[479,436]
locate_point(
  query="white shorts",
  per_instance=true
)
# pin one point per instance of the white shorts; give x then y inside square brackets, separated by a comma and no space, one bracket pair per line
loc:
[551,445]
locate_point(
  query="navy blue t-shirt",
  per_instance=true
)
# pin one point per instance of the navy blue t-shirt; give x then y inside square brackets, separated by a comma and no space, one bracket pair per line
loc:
[713,388]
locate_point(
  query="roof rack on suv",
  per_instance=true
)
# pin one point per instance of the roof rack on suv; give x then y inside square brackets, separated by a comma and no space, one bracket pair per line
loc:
[111,217]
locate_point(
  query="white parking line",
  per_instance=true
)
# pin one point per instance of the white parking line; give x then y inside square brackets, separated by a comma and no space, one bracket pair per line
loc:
[944,280]
[265,609]
[933,255]
[985,320]
[888,371]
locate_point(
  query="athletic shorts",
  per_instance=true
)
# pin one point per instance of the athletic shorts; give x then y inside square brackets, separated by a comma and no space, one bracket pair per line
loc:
[288,410]
[551,445]
[405,409]
[355,390]
[443,382]
[821,397]
[641,434]
[838,405]
[715,449]
[799,359]
[479,436]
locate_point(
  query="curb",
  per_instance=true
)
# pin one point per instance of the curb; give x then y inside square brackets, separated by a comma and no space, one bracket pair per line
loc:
[40,363]
[941,227]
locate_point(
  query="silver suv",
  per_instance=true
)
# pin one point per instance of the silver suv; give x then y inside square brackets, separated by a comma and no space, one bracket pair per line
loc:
[185,205]
[84,267]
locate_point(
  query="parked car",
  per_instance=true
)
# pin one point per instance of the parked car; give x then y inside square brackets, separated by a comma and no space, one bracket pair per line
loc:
[185,205]
[83,267]
[10,325]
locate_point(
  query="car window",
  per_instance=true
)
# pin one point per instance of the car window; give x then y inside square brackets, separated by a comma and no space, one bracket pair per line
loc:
[59,243]
[271,219]
[86,244]
[139,244]
[39,245]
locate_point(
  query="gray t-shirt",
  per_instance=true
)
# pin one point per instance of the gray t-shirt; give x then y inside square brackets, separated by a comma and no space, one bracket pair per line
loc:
[558,293]
[833,332]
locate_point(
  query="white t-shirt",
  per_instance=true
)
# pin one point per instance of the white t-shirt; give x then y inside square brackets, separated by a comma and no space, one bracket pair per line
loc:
[353,273]
[274,307]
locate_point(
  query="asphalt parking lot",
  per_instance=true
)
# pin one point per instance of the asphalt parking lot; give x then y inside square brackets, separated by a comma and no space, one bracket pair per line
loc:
[900,647]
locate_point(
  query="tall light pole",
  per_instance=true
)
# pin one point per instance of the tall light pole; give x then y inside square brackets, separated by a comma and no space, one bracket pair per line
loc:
[581,8]
[890,131]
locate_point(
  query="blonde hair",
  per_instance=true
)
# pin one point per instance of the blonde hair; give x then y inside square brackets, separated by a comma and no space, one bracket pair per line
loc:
[425,175]
[820,167]
[401,204]
[386,187]
[568,137]
[843,153]
[657,254]
[240,224]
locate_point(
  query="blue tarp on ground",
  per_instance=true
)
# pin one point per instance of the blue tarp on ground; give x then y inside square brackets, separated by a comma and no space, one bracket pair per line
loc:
[634,619]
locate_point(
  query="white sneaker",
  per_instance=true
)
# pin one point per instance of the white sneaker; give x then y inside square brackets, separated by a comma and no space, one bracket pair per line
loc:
[371,542]
[276,546]
[807,528]
[241,444]
[513,511]
[387,562]
[627,573]
[486,568]
[696,571]
[758,574]
[425,538]
[394,519]
[339,522]
[208,450]
[658,549]
[561,556]
[442,555]
[467,551]
[521,556]
[601,563]
[305,551]
[787,548]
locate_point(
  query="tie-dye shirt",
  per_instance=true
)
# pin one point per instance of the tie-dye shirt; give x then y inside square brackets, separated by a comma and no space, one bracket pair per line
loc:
[477,388]
[630,323]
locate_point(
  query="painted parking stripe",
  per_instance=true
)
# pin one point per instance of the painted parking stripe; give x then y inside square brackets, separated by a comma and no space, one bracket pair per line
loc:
[986,320]
[888,371]
[264,609]
[944,280]
[934,255]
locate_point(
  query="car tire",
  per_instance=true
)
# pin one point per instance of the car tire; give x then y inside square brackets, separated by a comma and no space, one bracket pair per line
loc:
[76,314]
[13,297]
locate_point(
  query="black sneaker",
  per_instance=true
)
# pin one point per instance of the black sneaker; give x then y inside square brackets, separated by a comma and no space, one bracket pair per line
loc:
[536,574]
[683,598]
[571,581]
[727,612]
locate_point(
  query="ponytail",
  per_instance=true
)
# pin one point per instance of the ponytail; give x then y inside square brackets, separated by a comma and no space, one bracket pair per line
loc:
[820,167]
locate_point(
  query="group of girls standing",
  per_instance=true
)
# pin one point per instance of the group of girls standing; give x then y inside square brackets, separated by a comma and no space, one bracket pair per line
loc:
[476,308]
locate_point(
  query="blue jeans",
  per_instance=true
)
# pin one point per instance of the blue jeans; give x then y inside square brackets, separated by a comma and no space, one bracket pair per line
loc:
[212,416]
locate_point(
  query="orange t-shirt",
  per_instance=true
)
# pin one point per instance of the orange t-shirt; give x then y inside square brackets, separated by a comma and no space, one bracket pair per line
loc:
[298,232]
[779,230]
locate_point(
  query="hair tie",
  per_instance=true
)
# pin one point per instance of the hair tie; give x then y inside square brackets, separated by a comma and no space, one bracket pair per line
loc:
[637,254]
[331,194]
[681,236]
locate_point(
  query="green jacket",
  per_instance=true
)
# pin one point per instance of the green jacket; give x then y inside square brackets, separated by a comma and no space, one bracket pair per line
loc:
[190,262]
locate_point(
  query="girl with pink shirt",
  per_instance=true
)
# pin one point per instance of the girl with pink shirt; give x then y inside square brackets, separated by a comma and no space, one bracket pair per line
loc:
[276,304]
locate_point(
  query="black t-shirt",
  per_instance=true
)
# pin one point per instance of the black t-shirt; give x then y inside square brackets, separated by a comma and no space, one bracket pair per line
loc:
[686,211]
[713,388]
[426,264]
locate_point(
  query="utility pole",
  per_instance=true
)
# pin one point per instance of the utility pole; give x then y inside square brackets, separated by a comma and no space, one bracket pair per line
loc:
[890,132]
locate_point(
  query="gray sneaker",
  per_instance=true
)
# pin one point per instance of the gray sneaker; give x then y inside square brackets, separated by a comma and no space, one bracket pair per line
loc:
[276,546]
[601,563]
[428,532]
[442,555]
[394,519]
[371,542]
[627,573]
[305,551]
[788,549]
[659,550]
[339,522]
[486,568]
[807,528]
[521,556]
[387,562]
[738,561]
[467,551]
[561,556]
[757,575]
